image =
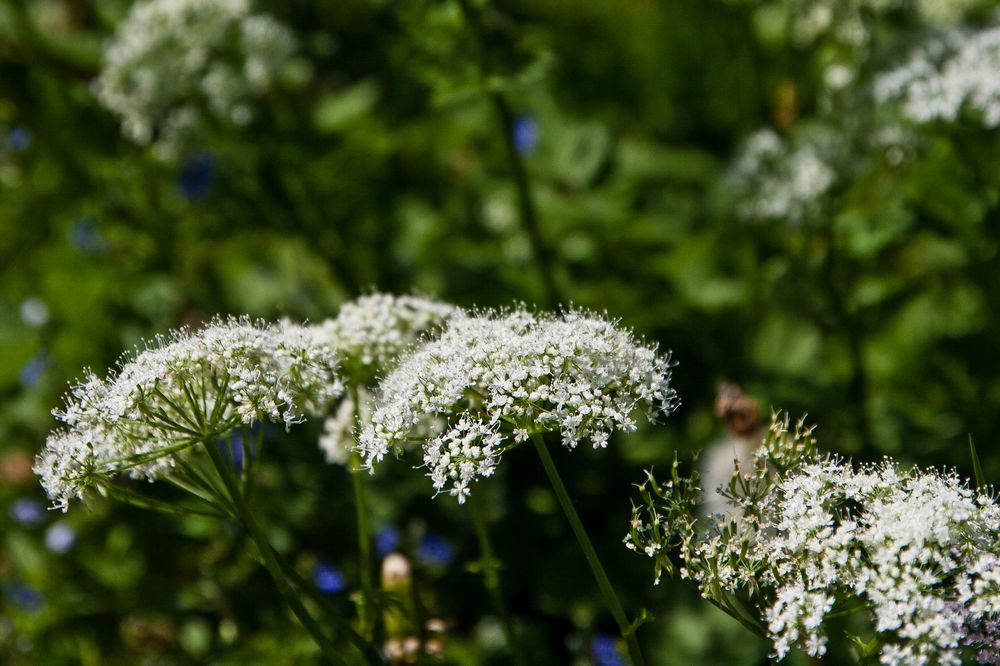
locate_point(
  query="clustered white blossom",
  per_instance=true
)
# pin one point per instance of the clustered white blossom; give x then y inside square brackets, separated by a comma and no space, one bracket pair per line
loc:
[493,379]
[849,22]
[957,76]
[188,388]
[337,440]
[917,550]
[172,64]
[775,179]
[369,334]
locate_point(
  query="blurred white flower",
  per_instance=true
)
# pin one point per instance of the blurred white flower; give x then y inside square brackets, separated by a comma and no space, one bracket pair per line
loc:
[175,64]
[957,76]
[775,179]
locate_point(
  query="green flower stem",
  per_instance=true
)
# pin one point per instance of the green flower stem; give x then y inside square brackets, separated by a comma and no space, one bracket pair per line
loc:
[527,210]
[491,576]
[269,557]
[610,598]
[365,613]
[365,646]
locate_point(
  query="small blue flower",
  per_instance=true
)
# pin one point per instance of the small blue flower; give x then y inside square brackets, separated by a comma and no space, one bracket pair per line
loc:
[525,133]
[59,538]
[386,540]
[84,236]
[23,597]
[232,447]
[605,652]
[436,551]
[33,370]
[19,139]
[328,579]
[197,176]
[27,511]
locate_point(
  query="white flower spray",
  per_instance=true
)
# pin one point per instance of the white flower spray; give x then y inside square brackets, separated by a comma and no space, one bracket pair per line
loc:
[493,379]
[175,64]
[951,78]
[180,396]
[814,536]
[369,334]
[182,390]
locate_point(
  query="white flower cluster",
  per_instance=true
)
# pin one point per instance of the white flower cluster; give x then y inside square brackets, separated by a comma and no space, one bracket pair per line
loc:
[954,77]
[337,440]
[909,542]
[915,550]
[774,179]
[191,387]
[371,332]
[174,63]
[493,379]
[848,22]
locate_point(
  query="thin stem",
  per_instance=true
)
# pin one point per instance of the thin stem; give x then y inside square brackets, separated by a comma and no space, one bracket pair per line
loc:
[269,557]
[364,645]
[525,200]
[491,576]
[731,612]
[610,598]
[366,613]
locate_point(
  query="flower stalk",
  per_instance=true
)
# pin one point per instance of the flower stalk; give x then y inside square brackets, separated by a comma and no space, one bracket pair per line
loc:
[603,582]
[490,567]
[269,557]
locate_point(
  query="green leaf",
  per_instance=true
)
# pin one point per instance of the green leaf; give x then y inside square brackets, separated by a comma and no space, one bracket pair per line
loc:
[977,468]
[338,110]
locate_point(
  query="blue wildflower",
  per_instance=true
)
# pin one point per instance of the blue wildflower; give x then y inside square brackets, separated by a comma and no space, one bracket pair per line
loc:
[387,540]
[19,139]
[27,511]
[525,133]
[605,651]
[84,236]
[197,176]
[23,597]
[328,579]
[33,370]
[59,538]
[436,551]
[232,447]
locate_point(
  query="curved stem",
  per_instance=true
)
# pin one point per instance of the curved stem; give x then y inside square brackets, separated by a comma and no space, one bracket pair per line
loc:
[491,576]
[610,598]
[365,646]
[269,557]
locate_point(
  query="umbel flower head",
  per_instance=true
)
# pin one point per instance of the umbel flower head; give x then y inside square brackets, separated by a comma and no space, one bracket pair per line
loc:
[188,388]
[494,379]
[371,332]
[916,551]
[173,64]
[953,78]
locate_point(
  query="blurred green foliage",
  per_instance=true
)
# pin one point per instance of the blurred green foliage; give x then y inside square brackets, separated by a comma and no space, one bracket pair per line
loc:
[387,163]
